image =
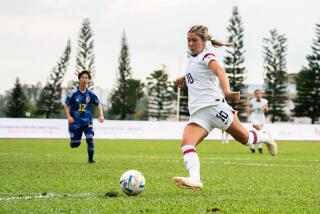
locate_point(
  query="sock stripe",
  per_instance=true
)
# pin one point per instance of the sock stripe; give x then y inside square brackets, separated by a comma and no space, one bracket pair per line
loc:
[189,150]
[254,136]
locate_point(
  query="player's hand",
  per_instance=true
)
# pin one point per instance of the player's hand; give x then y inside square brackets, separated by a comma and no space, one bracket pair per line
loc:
[181,82]
[70,120]
[101,119]
[232,95]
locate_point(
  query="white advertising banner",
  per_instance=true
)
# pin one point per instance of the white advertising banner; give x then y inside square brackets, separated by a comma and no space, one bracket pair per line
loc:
[111,129]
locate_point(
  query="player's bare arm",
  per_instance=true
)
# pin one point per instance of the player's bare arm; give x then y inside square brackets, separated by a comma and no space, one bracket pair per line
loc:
[224,81]
[181,82]
[266,108]
[66,110]
[101,116]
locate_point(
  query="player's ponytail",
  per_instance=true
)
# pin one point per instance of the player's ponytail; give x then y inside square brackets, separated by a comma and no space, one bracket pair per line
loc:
[216,43]
[202,31]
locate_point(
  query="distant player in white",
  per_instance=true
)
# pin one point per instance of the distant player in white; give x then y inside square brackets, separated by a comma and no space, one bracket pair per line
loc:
[258,106]
[207,106]
[224,137]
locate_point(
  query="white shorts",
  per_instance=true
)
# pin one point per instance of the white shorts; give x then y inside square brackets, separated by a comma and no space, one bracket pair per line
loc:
[216,116]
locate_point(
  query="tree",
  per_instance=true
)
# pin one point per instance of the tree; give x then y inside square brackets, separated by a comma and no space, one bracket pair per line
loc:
[234,61]
[160,94]
[142,109]
[307,101]
[32,92]
[128,91]
[2,105]
[85,56]
[50,97]
[17,102]
[275,50]
[134,94]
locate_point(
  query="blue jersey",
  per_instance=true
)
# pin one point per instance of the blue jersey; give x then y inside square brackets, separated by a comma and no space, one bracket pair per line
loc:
[80,106]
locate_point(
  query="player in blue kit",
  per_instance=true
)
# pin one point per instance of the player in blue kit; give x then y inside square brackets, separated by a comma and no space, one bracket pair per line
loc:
[77,109]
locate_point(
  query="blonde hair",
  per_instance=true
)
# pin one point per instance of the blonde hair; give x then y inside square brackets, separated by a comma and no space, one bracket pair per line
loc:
[202,31]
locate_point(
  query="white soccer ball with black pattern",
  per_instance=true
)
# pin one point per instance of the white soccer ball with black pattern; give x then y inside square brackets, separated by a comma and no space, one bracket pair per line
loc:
[132,182]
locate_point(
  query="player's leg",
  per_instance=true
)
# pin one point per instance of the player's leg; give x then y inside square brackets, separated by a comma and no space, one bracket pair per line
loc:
[260,148]
[193,134]
[88,131]
[75,135]
[253,146]
[248,138]
[258,127]
[224,137]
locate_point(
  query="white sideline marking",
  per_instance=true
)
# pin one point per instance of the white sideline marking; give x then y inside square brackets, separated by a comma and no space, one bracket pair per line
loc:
[169,157]
[48,195]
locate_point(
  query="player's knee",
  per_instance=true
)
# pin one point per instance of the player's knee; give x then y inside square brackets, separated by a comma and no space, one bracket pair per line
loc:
[74,144]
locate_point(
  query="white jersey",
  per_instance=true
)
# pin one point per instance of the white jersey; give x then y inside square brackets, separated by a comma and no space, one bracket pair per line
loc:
[203,84]
[257,116]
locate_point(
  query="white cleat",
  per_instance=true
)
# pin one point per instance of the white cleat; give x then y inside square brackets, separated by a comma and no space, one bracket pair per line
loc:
[188,183]
[272,146]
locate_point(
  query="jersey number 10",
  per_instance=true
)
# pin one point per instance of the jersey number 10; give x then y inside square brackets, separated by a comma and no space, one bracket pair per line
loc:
[189,78]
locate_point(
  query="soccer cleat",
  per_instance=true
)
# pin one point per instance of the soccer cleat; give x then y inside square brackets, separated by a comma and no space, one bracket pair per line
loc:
[252,150]
[188,183]
[260,150]
[271,145]
[91,161]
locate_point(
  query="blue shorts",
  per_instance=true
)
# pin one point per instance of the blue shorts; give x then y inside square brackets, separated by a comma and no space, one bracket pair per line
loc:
[75,132]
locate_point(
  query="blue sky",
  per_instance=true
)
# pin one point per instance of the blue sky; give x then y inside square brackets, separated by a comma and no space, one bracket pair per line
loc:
[34,33]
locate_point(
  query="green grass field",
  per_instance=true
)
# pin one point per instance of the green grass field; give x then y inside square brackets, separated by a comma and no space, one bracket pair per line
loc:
[46,176]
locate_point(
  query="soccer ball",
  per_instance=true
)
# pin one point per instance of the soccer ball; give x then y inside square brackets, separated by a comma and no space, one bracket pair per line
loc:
[132,182]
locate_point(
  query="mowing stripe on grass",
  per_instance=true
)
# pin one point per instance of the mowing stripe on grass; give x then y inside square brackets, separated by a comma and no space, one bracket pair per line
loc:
[207,160]
[46,196]
[268,165]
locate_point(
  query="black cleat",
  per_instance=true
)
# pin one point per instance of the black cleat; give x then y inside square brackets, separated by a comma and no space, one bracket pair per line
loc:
[260,150]
[91,161]
[252,150]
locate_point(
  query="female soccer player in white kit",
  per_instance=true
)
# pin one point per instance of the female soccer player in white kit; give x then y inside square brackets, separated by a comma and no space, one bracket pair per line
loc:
[207,106]
[258,106]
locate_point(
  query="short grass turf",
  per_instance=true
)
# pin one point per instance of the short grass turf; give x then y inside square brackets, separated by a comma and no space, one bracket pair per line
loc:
[47,176]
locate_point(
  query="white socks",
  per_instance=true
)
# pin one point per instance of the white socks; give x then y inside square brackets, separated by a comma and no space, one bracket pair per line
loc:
[191,159]
[252,138]
[257,137]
